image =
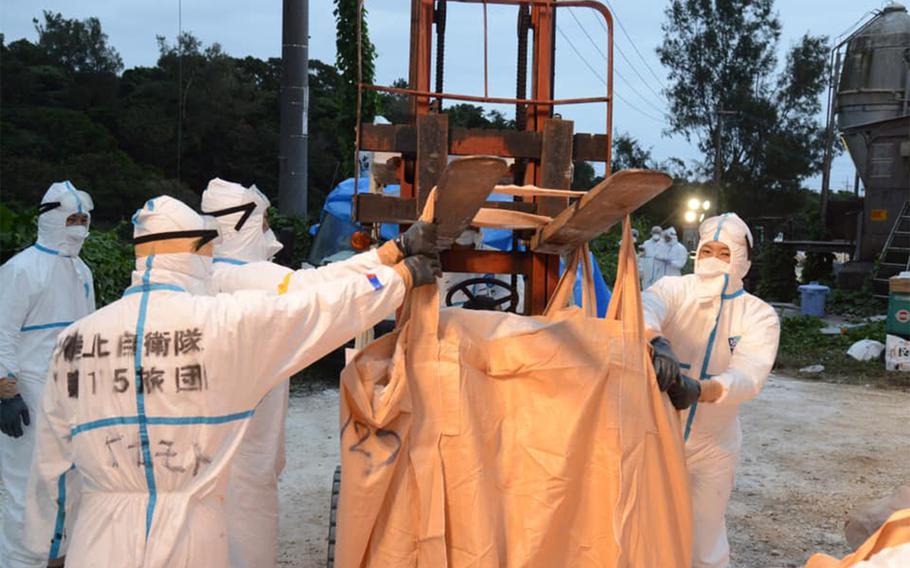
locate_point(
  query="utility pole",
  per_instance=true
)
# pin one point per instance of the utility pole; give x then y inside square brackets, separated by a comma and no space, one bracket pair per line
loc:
[292,150]
[718,155]
[833,81]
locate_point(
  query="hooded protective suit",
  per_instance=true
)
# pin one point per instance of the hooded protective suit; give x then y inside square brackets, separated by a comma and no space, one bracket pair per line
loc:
[670,256]
[646,264]
[242,262]
[719,332]
[43,289]
[151,396]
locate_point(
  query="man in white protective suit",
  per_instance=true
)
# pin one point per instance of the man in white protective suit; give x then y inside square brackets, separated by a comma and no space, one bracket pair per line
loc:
[671,255]
[646,259]
[727,339]
[43,289]
[242,262]
[150,397]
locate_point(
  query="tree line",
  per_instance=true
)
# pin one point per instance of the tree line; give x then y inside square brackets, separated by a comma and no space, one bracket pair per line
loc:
[71,111]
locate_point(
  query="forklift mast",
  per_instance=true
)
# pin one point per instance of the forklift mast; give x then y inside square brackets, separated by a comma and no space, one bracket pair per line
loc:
[542,147]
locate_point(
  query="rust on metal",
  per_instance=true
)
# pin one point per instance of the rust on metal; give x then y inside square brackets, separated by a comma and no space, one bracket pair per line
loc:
[487,261]
[555,164]
[432,153]
[402,138]
[480,99]
[380,208]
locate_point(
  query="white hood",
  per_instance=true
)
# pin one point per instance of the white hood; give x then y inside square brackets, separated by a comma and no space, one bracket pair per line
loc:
[53,234]
[732,231]
[165,216]
[239,211]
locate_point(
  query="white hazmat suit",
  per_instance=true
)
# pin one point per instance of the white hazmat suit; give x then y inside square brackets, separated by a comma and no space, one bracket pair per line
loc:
[646,268]
[151,396]
[43,289]
[670,255]
[242,263]
[721,332]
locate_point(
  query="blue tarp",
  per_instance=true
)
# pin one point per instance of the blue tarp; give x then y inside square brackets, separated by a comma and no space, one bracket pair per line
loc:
[601,290]
[340,200]
[338,204]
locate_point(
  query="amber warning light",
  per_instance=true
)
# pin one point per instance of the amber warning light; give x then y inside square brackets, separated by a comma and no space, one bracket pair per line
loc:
[360,241]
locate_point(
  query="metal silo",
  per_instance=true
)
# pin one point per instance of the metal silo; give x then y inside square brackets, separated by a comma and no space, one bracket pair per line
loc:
[874,75]
[873,117]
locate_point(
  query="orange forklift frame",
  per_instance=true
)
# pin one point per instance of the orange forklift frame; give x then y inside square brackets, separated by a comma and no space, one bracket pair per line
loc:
[544,147]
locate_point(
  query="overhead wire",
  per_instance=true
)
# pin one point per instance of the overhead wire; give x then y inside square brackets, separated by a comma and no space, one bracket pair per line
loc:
[604,81]
[632,42]
[617,71]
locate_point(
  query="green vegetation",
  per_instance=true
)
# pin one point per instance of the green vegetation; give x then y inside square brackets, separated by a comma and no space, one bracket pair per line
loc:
[345,13]
[109,254]
[606,248]
[777,281]
[854,303]
[802,344]
[723,56]
[70,111]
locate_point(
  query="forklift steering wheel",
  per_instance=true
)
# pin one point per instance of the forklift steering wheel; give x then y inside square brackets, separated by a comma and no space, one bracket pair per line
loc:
[483,302]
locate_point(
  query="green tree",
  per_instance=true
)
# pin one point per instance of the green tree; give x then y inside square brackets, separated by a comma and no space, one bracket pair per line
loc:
[324,151]
[67,115]
[721,56]
[473,116]
[79,45]
[394,107]
[628,154]
[346,62]
[583,176]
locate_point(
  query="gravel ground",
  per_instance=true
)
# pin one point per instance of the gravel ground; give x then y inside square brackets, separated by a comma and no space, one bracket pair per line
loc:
[812,452]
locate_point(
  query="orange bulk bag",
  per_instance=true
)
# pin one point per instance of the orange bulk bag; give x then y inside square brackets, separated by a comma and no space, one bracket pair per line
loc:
[486,439]
[895,532]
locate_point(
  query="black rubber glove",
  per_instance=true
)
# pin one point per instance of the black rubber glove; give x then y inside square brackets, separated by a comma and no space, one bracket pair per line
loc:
[420,238]
[13,414]
[424,269]
[684,392]
[666,365]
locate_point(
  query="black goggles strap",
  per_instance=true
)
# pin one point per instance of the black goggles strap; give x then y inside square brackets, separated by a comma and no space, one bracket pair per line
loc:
[204,235]
[45,207]
[247,209]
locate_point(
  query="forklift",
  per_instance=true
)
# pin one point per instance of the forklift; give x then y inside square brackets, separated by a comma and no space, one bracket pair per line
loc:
[532,163]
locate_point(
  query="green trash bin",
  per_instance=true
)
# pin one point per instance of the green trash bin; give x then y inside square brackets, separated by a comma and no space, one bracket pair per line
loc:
[899,306]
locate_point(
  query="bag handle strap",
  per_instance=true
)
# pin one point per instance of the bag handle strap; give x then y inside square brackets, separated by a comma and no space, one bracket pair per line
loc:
[565,288]
[626,304]
[421,305]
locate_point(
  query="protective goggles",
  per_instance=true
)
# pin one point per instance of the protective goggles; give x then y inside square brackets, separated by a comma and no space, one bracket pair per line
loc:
[48,206]
[247,210]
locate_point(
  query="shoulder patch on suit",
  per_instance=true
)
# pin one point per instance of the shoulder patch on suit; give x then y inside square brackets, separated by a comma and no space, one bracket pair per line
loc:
[377,285]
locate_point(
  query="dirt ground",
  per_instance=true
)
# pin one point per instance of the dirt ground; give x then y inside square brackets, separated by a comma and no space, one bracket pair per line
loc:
[812,452]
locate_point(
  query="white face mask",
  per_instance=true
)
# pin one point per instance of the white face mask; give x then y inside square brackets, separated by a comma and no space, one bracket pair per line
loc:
[655,237]
[712,266]
[272,244]
[73,238]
